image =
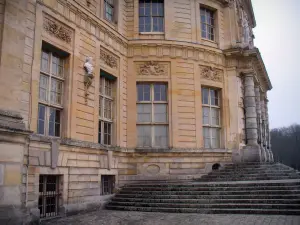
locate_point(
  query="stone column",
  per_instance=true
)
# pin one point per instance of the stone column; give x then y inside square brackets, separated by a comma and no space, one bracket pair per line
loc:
[259,123]
[251,152]
[268,138]
[250,108]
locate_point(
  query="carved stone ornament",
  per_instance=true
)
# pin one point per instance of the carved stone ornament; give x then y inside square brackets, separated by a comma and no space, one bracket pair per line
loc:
[108,59]
[89,75]
[56,29]
[210,73]
[152,68]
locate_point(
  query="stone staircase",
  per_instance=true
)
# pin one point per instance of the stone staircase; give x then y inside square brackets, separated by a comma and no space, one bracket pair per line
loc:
[269,188]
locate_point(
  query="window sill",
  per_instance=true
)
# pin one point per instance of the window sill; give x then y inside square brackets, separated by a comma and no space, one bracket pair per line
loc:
[208,40]
[151,33]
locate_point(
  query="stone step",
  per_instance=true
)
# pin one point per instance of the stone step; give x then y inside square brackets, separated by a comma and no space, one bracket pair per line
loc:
[216,206]
[209,211]
[218,188]
[218,184]
[283,192]
[258,176]
[225,172]
[194,196]
[206,201]
[215,179]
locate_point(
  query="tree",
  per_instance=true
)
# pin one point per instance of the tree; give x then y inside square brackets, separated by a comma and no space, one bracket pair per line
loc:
[286,145]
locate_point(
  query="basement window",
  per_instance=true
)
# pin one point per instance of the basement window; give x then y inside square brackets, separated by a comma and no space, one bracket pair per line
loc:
[49,195]
[107,184]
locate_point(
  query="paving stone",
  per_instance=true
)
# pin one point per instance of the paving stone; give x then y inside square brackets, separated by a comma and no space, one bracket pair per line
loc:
[109,217]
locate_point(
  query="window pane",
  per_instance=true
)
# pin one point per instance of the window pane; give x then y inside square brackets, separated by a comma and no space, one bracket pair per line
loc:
[215,117]
[215,137]
[107,133]
[147,8]
[147,24]
[155,24]
[41,119]
[141,9]
[107,108]
[203,27]
[54,122]
[57,123]
[101,106]
[45,62]
[100,133]
[101,86]
[143,136]
[142,24]
[160,113]
[214,98]
[144,113]
[160,7]
[43,91]
[160,136]
[154,8]
[160,92]
[204,96]
[160,24]
[56,91]
[108,88]
[206,137]
[143,92]
[205,115]
[54,66]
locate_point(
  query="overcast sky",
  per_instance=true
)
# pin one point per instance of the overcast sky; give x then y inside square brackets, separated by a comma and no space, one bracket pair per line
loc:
[277,35]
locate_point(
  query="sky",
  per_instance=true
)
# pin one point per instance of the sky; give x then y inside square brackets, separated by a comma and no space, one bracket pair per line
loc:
[277,35]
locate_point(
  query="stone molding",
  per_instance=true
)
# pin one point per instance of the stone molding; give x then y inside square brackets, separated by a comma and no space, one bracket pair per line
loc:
[109,59]
[56,29]
[178,50]
[210,73]
[96,146]
[152,68]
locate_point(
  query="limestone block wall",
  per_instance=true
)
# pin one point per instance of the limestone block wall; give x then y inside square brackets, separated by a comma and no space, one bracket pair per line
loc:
[16,29]
[186,105]
[168,165]
[80,170]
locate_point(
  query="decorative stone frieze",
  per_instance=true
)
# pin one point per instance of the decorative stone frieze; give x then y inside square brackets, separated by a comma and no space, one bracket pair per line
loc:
[210,73]
[109,59]
[58,30]
[152,68]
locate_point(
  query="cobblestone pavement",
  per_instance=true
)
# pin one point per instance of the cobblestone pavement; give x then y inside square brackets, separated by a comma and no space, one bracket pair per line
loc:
[106,217]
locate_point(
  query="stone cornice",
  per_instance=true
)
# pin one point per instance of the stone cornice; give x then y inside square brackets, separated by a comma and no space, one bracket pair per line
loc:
[248,59]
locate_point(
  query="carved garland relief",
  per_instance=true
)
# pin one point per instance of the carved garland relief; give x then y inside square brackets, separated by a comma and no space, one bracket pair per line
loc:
[57,29]
[210,73]
[108,59]
[152,68]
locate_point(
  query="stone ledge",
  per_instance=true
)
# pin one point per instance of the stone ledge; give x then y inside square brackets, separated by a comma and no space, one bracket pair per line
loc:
[11,121]
[96,146]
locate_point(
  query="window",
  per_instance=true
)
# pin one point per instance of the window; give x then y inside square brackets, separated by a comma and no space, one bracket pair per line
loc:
[50,94]
[105,111]
[48,195]
[151,16]
[107,184]
[109,9]
[207,23]
[211,117]
[152,115]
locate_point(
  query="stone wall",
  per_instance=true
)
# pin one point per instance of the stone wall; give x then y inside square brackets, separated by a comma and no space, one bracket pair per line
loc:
[186,63]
